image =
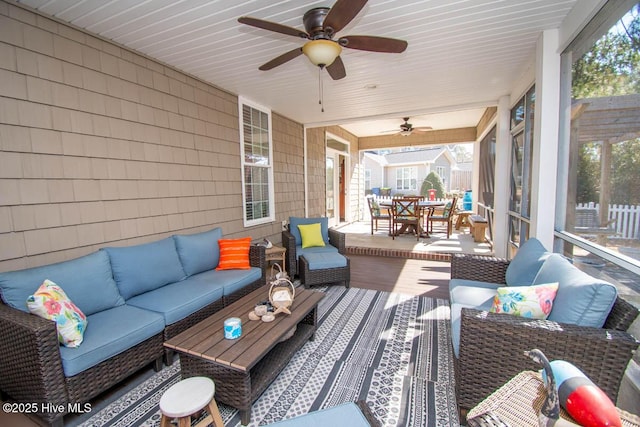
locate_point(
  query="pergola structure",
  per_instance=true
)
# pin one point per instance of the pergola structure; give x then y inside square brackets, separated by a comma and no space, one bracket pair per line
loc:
[607,120]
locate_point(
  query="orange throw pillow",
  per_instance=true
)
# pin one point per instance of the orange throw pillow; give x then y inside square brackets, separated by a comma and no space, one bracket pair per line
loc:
[234,254]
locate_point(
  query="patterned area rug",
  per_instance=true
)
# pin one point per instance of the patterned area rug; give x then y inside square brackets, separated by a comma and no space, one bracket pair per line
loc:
[391,350]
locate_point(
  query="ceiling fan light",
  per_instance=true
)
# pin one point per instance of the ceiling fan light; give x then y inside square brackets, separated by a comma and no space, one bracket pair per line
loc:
[405,132]
[321,52]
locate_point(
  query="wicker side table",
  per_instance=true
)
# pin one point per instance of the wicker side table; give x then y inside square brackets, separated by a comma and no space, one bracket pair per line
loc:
[518,402]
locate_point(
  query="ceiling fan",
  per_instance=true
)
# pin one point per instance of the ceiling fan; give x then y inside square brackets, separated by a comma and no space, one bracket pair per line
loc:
[321,24]
[407,128]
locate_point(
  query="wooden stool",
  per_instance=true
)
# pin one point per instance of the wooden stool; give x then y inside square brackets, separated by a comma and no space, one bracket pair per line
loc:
[186,398]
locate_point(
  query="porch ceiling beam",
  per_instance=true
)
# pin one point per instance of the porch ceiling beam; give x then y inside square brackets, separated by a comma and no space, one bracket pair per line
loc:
[434,137]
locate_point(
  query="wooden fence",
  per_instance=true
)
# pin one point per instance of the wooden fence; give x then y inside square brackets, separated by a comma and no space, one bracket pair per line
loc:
[627,218]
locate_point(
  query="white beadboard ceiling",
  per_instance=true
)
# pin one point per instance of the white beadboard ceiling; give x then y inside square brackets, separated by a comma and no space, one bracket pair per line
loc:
[462,54]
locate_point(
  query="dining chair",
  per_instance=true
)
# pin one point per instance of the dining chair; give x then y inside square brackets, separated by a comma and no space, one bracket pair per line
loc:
[377,214]
[446,218]
[406,212]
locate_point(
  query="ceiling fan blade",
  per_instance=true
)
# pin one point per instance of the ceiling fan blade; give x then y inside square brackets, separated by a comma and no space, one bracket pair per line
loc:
[336,69]
[422,128]
[374,44]
[272,26]
[341,13]
[279,60]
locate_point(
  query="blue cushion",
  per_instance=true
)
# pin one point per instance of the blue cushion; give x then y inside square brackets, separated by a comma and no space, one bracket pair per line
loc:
[141,268]
[471,293]
[295,221]
[315,250]
[199,252]
[234,280]
[526,263]
[468,294]
[342,415]
[321,261]
[108,333]
[178,300]
[581,299]
[87,281]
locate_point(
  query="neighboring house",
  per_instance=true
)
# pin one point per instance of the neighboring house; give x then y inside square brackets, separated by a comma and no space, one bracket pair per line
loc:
[404,171]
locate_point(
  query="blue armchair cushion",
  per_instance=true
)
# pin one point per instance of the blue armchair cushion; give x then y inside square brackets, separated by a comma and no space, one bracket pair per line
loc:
[581,299]
[141,268]
[324,260]
[199,252]
[294,222]
[342,415]
[468,294]
[87,281]
[526,263]
[108,333]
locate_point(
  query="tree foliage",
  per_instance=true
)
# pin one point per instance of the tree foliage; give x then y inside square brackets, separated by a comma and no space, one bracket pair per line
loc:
[432,181]
[625,172]
[610,68]
[588,173]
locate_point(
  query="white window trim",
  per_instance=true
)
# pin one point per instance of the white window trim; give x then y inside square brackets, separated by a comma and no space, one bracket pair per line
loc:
[248,223]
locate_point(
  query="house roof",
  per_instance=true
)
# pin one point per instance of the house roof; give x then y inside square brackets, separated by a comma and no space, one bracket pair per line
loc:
[427,155]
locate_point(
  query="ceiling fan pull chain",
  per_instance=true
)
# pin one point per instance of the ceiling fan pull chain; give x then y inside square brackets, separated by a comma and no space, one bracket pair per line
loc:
[320,89]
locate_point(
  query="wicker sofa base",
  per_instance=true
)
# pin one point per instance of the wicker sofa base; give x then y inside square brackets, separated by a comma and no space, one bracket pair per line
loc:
[87,384]
[323,276]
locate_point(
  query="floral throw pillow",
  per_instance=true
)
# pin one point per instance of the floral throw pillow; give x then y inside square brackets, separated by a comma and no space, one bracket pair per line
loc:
[526,301]
[51,302]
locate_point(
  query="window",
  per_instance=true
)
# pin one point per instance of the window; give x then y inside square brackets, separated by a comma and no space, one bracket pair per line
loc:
[257,163]
[367,179]
[602,93]
[442,171]
[522,119]
[406,179]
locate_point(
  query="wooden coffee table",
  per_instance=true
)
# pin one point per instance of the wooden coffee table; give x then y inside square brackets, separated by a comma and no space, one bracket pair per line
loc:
[243,368]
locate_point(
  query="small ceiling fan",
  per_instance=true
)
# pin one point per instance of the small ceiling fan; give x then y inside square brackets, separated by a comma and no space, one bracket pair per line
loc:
[407,128]
[321,24]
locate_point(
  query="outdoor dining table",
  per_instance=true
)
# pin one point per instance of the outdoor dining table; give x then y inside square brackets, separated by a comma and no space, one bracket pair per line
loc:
[426,206]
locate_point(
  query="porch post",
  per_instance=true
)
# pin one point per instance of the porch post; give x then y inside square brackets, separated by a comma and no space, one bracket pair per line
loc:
[502,189]
[545,138]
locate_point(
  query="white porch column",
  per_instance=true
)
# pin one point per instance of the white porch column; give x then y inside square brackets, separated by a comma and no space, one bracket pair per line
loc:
[545,138]
[502,189]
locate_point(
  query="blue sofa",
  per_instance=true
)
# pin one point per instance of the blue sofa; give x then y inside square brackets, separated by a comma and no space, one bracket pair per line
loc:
[134,297]
[586,326]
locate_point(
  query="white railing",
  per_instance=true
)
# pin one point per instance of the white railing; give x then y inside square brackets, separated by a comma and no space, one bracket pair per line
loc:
[627,218]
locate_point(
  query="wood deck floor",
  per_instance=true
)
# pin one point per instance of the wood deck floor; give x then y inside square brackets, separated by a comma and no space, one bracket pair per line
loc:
[408,276]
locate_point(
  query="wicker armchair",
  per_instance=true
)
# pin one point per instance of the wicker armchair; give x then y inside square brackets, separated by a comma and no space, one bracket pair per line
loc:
[492,345]
[314,277]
